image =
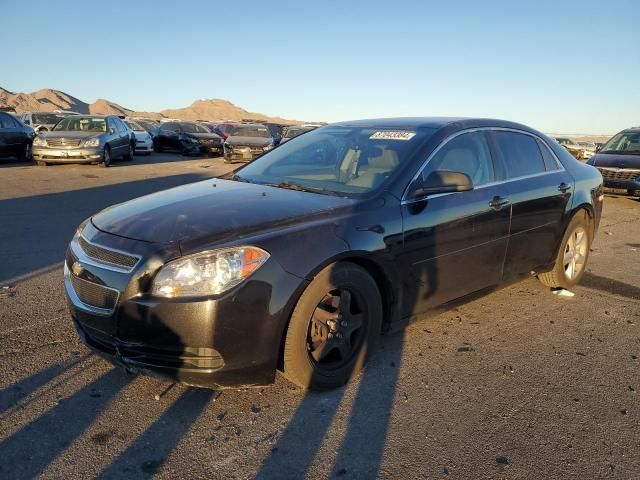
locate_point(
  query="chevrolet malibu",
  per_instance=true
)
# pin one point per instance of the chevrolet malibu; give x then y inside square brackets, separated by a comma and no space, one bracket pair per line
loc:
[299,261]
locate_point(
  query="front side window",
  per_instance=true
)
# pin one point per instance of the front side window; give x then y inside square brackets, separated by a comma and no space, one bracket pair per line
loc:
[467,153]
[5,121]
[349,161]
[623,143]
[517,155]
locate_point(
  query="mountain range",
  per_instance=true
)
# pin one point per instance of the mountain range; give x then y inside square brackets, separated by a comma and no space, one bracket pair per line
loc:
[49,99]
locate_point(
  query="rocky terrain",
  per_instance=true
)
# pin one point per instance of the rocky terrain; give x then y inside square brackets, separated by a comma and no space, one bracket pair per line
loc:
[48,99]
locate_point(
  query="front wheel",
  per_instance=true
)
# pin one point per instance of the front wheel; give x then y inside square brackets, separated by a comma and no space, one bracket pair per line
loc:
[106,157]
[334,326]
[573,254]
[25,153]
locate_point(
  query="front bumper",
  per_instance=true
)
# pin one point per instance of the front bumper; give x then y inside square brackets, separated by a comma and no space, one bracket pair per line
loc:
[67,155]
[229,340]
[620,178]
[242,153]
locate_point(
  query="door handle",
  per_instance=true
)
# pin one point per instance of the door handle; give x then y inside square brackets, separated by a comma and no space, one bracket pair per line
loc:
[498,202]
[564,187]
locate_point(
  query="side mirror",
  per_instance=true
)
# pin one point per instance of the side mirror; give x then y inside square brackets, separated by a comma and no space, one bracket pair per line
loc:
[112,131]
[444,182]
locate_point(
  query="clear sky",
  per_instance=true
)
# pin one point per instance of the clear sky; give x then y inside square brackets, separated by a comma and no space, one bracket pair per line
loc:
[559,66]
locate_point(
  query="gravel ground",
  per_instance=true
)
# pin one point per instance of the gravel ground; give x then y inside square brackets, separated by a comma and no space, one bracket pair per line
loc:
[517,384]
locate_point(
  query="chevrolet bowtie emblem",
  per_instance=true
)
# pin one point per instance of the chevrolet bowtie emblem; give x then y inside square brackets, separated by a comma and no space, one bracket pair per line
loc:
[76,268]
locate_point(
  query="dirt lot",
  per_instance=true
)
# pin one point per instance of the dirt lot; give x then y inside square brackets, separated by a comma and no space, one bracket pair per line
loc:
[518,384]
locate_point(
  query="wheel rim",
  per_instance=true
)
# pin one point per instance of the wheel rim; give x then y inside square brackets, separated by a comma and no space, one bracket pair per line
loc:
[130,151]
[107,157]
[575,253]
[337,329]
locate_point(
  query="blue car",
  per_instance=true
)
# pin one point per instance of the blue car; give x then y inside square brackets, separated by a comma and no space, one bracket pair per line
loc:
[619,161]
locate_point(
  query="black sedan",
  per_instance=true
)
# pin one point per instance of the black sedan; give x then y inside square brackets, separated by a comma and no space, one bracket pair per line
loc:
[301,259]
[188,138]
[619,162]
[16,138]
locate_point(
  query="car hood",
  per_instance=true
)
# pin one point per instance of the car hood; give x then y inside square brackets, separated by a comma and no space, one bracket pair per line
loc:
[141,135]
[249,141]
[213,211]
[615,160]
[206,136]
[72,134]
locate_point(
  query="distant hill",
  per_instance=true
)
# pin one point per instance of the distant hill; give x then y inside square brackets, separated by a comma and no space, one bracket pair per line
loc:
[48,100]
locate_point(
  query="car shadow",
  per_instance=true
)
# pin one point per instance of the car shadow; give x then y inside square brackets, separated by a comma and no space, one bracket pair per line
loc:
[42,225]
[150,450]
[27,452]
[609,285]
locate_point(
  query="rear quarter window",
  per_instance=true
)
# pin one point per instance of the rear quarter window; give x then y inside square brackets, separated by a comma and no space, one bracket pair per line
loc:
[550,161]
[517,155]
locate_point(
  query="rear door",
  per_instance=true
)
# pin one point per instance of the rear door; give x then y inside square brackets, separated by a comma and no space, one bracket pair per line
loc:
[454,243]
[539,189]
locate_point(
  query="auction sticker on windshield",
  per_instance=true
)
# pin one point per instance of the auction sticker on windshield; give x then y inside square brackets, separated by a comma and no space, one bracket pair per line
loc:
[393,135]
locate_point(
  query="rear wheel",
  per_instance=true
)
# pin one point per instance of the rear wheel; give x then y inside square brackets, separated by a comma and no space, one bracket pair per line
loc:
[41,163]
[106,157]
[573,254]
[334,326]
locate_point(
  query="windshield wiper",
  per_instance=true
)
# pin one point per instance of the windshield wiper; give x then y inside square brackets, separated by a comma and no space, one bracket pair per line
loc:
[300,188]
[237,178]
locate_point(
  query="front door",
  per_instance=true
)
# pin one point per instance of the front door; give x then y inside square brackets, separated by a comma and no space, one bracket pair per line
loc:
[454,243]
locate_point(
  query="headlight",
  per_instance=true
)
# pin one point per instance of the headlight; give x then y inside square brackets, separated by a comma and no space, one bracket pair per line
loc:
[92,142]
[208,273]
[39,142]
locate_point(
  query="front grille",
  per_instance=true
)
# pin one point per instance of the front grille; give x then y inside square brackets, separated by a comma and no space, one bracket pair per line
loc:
[63,142]
[622,174]
[107,256]
[94,295]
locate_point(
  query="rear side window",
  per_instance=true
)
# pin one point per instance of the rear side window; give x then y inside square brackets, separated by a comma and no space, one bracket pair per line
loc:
[517,155]
[550,161]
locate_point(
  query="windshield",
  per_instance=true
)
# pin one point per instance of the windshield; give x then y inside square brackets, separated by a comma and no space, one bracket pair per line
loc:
[193,128]
[346,161]
[623,142]
[136,127]
[147,125]
[45,118]
[250,131]
[79,123]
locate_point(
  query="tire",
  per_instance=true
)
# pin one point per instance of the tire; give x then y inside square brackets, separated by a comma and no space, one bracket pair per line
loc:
[566,272]
[324,311]
[41,163]
[106,158]
[25,153]
[129,156]
[227,160]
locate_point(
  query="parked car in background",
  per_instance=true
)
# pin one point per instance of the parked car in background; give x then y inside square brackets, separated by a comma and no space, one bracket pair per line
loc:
[224,129]
[588,149]
[151,126]
[572,147]
[246,141]
[619,161]
[299,260]
[16,138]
[85,139]
[144,140]
[188,138]
[41,122]
[292,132]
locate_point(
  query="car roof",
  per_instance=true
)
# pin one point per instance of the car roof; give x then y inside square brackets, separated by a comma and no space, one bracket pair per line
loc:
[434,122]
